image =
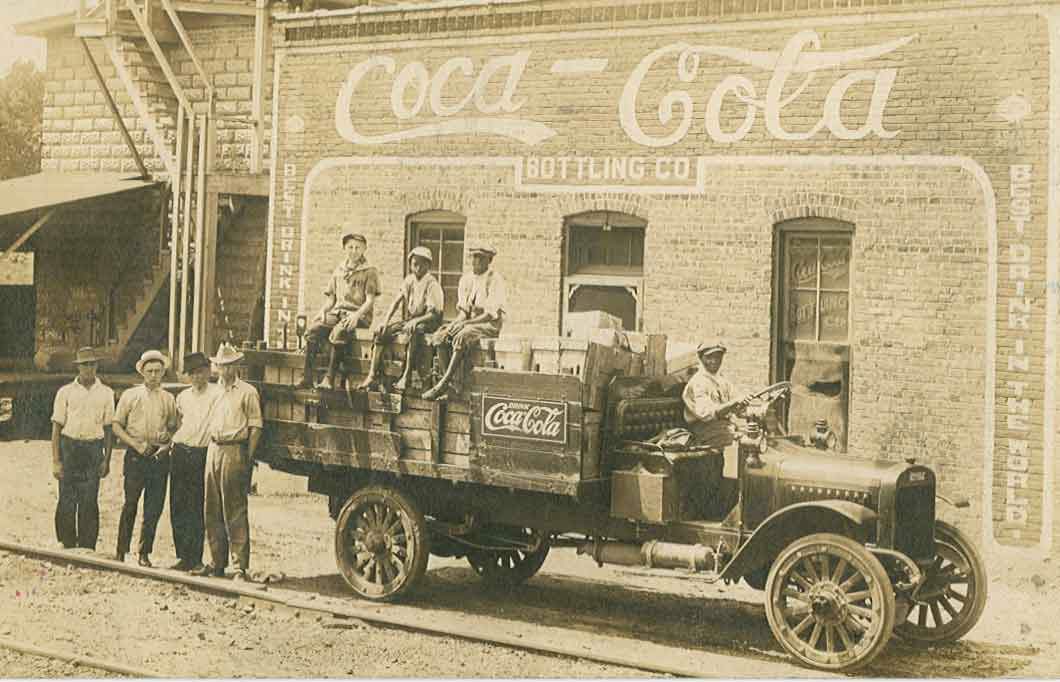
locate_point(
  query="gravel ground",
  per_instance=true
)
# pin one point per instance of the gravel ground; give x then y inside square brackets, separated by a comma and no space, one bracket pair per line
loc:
[15,664]
[179,631]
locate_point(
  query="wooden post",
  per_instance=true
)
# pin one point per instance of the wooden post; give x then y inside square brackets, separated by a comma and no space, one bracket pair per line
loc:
[257,106]
[655,356]
[200,222]
[209,273]
[186,253]
[174,244]
[115,114]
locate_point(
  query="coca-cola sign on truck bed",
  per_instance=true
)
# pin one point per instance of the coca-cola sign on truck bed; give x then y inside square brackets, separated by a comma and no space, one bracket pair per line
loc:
[540,420]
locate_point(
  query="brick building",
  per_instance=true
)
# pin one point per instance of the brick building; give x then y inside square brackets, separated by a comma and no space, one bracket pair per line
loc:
[862,199]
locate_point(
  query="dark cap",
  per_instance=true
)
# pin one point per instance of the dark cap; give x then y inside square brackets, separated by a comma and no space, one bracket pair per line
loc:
[193,361]
[85,355]
[356,236]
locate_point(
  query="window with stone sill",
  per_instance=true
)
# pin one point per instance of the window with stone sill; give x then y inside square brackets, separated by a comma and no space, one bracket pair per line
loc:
[604,266]
[811,337]
[443,233]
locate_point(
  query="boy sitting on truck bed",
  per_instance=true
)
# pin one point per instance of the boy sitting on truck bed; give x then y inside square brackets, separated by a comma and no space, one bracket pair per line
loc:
[481,297]
[422,302]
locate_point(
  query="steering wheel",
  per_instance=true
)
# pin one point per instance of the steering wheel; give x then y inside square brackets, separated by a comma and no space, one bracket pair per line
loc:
[768,394]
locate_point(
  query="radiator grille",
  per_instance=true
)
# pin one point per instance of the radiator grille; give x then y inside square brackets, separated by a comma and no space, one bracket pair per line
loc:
[914,528]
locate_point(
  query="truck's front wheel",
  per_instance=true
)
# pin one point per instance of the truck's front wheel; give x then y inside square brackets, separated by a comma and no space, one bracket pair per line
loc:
[829,602]
[381,543]
[953,596]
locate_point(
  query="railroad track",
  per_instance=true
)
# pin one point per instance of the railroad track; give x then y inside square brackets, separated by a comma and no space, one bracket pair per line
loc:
[607,649]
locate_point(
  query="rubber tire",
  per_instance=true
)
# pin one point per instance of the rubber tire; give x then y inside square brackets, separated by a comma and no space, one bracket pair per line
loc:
[871,568]
[488,567]
[416,538]
[912,632]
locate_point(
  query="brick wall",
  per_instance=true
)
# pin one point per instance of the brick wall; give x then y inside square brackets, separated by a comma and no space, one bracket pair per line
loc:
[79,132]
[965,112]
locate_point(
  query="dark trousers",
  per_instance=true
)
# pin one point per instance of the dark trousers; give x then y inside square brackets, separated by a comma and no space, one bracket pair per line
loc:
[77,513]
[143,476]
[187,476]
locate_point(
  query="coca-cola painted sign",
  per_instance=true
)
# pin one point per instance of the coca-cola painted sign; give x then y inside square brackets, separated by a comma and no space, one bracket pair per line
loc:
[540,420]
[462,96]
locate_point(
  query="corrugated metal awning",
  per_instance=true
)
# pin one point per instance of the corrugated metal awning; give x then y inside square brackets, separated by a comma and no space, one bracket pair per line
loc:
[52,188]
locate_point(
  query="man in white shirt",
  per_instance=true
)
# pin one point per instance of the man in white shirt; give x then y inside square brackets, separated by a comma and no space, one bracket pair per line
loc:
[145,420]
[481,298]
[235,428]
[187,469]
[422,302]
[81,447]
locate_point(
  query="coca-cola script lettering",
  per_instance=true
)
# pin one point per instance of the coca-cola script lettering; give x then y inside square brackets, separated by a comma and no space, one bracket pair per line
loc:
[465,96]
[543,420]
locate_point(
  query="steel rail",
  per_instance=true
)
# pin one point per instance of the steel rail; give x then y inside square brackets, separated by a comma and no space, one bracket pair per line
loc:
[77,659]
[644,656]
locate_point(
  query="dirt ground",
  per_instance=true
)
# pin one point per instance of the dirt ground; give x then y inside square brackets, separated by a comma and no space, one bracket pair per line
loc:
[179,631]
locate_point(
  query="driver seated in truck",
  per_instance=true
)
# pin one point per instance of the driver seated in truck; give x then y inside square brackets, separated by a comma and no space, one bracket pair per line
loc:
[422,302]
[349,298]
[709,405]
[480,302]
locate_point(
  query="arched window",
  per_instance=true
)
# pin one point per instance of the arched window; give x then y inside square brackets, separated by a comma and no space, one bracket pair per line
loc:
[811,337]
[443,233]
[604,266]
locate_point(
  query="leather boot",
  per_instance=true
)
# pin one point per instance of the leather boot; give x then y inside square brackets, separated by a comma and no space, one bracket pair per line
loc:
[310,361]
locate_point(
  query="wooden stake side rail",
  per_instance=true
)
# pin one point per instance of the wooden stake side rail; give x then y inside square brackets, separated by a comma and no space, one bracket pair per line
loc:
[406,435]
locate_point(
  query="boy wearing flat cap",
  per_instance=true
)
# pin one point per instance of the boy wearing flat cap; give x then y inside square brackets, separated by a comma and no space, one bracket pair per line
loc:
[145,420]
[481,298]
[422,302]
[708,399]
[350,295]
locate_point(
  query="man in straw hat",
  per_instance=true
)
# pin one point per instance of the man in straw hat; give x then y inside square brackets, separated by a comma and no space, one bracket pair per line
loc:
[188,464]
[481,298]
[81,447]
[145,420]
[422,302]
[234,430]
[349,297]
[709,404]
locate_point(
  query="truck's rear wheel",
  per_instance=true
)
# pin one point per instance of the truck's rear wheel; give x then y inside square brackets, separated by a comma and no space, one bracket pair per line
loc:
[829,602]
[515,566]
[954,592]
[381,543]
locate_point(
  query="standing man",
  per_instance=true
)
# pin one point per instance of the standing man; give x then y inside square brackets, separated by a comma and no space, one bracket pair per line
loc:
[188,464]
[481,298]
[422,302]
[350,295]
[81,447]
[145,419]
[235,427]
[709,405]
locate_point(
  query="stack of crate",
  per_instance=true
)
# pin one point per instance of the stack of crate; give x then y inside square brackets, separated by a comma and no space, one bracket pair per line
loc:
[594,361]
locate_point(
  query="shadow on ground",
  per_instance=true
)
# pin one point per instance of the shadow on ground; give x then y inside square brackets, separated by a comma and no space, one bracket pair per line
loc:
[712,625]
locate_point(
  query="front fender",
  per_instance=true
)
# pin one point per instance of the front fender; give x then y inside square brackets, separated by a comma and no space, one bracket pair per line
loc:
[792,522]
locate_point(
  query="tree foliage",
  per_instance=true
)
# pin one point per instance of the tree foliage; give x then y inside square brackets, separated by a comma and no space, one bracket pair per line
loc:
[21,110]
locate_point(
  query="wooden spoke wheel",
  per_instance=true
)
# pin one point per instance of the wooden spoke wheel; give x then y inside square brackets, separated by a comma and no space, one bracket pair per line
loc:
[830,602]
[954,592]
[381,543]
[512,567]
